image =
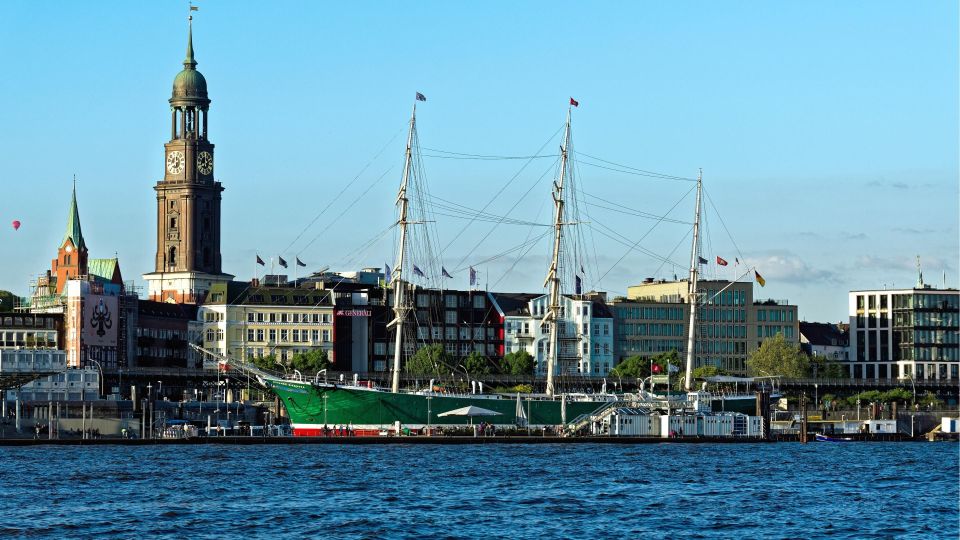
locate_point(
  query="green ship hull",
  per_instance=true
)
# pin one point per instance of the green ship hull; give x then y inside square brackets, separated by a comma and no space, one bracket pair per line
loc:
[314,407]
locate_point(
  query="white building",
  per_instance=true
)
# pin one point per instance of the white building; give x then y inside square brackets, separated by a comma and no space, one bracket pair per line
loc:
[905,333]
[585,333]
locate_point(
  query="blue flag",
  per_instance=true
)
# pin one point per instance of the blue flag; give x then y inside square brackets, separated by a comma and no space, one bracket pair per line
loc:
[579,285]
[282,262]
[445,273]
[417,271]
[421,97]
[701,260]
[473,276]
[386,272]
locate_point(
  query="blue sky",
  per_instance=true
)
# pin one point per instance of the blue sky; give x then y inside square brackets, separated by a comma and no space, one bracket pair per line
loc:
[827,132]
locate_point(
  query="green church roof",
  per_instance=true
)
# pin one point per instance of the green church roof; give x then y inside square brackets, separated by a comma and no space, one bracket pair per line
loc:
[103,269]
[74,233]
[189,84]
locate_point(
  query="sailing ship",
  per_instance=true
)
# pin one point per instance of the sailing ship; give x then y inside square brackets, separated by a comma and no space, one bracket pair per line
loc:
[315,405]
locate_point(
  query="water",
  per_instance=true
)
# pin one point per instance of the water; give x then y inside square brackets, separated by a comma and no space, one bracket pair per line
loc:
[874,490]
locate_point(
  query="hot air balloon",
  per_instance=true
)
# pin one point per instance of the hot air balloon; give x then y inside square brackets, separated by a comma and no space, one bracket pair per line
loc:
[16,224]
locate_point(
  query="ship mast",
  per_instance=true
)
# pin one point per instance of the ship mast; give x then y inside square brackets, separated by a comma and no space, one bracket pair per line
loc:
[553,277]
[400,307]
[692,297]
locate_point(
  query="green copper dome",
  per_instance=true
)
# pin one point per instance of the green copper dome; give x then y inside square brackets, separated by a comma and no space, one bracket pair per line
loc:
[189,85]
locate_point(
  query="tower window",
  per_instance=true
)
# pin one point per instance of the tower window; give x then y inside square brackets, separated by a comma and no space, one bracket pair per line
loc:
[173,223]
[66,259]
[172,259]
[173,204]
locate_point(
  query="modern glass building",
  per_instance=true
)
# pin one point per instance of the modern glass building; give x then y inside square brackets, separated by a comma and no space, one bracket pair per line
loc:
[730,322]
[906,333]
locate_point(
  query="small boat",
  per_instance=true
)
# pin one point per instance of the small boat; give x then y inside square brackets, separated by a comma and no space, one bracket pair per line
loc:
[826,438]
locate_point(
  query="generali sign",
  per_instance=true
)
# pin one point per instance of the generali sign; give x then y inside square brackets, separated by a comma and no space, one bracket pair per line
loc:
[353,313]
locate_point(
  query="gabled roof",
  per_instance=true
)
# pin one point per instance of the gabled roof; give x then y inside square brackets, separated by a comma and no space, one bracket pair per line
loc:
[824,334]
[513,303]
[105,270]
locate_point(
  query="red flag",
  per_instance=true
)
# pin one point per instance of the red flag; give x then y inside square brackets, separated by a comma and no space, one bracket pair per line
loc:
[574,102]
[720,261]
[223,366]
[656,368]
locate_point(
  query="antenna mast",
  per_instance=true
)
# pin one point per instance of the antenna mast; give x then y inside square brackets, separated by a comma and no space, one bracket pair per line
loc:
[553,277]
[400,307]
[692,296]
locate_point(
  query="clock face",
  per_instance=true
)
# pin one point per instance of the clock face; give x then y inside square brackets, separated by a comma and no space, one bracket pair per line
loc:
[175,162]
[205,163]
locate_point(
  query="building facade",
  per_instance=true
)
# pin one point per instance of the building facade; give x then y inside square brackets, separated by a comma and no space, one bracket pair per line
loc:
[827,340]
[187,260]
[731,324]
[246,320]
[905,333]
[585,332]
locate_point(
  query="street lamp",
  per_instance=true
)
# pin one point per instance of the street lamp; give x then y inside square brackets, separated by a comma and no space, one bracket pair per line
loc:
[160,389]
[101,375]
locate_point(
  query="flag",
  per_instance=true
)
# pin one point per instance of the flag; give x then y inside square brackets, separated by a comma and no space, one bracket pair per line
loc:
[223,366]
[282,262]
[574,102]
[300,263]
[582,271]
[386,272]
[421,97]
[194,8]
[760,280]
[701,260]
[656,368]
[579,285]
[260,261]
[721,261]
[473,276]
[418,271]
[445,273]
[672,368]
[736,260]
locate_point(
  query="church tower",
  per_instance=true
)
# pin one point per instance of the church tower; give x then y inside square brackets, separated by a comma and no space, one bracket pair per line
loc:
[188,198]
[71,261]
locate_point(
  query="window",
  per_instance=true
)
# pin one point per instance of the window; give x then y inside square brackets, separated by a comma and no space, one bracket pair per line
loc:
[273,335]
[450,317]
[296,336]
[251,335]
[250,317]
[315,335]
[259,335]
[479,302]
[284,335]
[326,336]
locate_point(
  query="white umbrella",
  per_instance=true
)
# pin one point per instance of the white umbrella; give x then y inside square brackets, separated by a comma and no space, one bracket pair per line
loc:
[470,411]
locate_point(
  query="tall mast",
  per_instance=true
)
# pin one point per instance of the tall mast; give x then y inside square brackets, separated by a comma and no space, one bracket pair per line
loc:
[692,297]
[553,277]
[400,308]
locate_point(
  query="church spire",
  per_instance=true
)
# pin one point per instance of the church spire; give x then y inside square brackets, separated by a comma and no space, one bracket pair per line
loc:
[189,62]
[73,232]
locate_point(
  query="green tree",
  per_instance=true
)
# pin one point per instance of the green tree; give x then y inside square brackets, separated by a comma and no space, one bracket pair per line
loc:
[638,367]
[517,363]
[268,362]
[630,368]
[778,357]
[428,360]
[6,301]
[310,362]
[476,364]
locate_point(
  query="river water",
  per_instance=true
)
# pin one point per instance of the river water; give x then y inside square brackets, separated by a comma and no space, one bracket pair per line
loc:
[785,490]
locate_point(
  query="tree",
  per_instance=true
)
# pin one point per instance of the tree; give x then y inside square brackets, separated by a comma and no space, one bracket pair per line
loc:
[268,362]
[310,362]
[638,367]
[428,360]
[822,367]
[476,364]
[778,357]
[517,363]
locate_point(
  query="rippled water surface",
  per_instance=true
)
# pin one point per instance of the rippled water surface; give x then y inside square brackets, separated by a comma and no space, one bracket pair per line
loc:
[873,490]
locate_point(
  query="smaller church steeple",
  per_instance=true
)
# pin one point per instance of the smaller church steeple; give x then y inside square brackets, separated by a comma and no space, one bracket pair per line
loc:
[73,233]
